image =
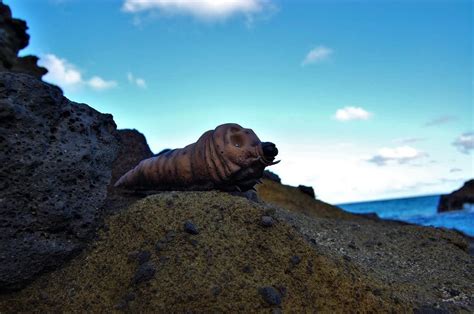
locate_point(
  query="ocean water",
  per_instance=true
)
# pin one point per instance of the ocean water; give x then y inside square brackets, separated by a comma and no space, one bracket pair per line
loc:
[418,210]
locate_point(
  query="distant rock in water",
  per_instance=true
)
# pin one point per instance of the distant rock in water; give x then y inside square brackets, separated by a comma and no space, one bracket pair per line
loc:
[13,38]
[457,199]
[55,165]
[267,174]
[308,190]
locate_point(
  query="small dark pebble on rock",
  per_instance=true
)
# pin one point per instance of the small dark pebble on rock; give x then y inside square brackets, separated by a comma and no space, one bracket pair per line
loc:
[122,305]
[216,291]
[267,221]
[295,260]
[160,246]
[129,297]
[144,273]
[377,292]
[190,228]
[143,257]
[282,290]
[270,295]
[170,235]
[132,256]
[164,259]
[352,245]
[194,242]
[247,269]
[43,295]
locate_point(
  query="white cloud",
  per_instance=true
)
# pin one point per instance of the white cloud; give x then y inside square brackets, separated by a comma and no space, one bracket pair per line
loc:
[140,82]
[317,54]
[343,175]
[440,120]
[352,113]
[98,83]
[67,76]
[465,142]
[201,9]
[60,71]
[136,80]
[401,155]
[408,140]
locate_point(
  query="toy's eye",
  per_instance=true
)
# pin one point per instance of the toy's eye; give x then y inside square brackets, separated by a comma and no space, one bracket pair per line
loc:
[236,140]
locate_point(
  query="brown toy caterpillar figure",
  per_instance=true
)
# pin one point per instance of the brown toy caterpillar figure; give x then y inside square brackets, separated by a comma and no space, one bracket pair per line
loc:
[229,158]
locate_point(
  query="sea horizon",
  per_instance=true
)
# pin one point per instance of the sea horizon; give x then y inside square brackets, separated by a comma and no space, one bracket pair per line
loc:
[420,210]
[391,199]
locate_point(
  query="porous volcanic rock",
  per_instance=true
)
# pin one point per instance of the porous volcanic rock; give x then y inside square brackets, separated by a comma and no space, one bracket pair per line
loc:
[55,165]
[133,149]
[457,199]
[13,38]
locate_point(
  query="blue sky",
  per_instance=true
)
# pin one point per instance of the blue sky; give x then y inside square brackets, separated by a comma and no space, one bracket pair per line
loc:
[365,99]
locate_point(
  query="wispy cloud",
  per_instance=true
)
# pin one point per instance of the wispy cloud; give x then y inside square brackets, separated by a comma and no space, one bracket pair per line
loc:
[455,170]
[207,10]
[352,113]
[440,120]
[316,55]
[408,140]
[136,80]
[99,83]
[69,77]
[400,155]
[465,142]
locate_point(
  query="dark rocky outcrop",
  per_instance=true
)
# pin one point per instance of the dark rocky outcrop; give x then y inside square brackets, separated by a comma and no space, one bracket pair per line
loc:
[267,174]
[457,199]
[133,149]
[13,38]
[55,165]
[308,190]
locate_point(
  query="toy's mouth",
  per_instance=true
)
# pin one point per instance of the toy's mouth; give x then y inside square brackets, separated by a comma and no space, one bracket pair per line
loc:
[247,177]
[269,152]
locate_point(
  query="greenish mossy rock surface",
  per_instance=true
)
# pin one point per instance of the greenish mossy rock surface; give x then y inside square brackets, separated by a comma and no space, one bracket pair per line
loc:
[145,261]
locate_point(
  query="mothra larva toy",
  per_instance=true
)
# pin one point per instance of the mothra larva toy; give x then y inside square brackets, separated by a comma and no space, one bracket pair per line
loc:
[229,158]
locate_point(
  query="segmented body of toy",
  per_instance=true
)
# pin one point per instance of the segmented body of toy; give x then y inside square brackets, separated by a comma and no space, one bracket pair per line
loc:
[229,158]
